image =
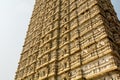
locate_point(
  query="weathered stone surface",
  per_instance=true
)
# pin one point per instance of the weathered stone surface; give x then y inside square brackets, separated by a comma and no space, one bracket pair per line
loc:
[71,40]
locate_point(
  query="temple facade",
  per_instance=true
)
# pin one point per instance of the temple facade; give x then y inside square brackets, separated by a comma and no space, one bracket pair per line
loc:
[71,40]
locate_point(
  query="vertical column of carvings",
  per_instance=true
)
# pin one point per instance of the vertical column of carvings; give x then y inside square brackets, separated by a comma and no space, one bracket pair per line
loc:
[40,20]
[70,57]
[42,59]
[87,31]
[33,44]
[89,53]
[58,39]
[27,64]
[84,26]
[46,61]
[75,57]
[55,38]
[63,50]
[90,50]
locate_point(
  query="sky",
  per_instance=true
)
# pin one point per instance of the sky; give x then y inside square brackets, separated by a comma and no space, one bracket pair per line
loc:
[14,20]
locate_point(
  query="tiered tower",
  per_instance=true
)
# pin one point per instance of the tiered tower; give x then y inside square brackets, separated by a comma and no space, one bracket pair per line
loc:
[71,40]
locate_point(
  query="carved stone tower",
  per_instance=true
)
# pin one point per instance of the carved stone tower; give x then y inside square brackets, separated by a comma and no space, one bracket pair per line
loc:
[71,40]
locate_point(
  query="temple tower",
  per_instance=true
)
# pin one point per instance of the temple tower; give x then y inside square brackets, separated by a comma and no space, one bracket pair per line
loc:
[71,40]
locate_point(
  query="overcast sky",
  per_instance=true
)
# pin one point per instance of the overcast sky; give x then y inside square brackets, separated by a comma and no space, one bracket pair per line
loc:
[14,19]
